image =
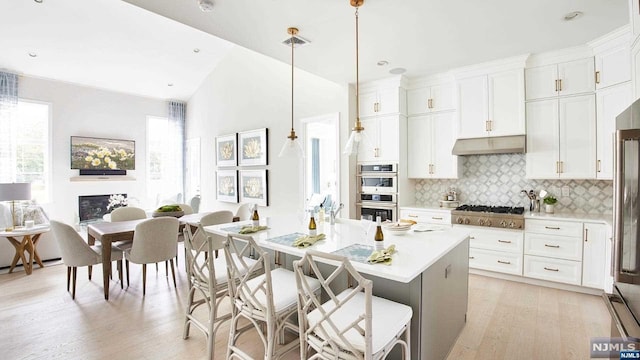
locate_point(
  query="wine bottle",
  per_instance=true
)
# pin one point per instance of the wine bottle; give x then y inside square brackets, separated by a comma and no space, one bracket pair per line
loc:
[321,214]
[255,218]
[379,237]
[312,224]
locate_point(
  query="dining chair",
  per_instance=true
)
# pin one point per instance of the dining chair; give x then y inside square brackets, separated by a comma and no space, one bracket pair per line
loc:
[76,252]
[352,324]
[154,240]
[128,213]
[195,203]
[244,211]
[267,301]
[207,282]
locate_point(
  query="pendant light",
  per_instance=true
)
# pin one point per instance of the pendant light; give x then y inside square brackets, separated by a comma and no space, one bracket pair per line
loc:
[291,146]
[357,131]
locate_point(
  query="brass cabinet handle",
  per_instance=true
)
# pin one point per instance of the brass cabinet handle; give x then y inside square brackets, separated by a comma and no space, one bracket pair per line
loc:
[413,216]
[597,77]
[430,103]
[505,241]
[599,166]
[586,235]
[552,228]
[552,246]
[486,125]
[436,218]
[557,167]
[556,85]
[472,257]
[549,269]
[375,152]
[490,125]
[471,237]
[504,262]
[559,84]
[433,169]
[562,167]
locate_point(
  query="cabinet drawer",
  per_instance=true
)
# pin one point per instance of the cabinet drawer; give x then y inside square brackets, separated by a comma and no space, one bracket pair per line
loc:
[500,240]
[562,247]
[553,227]
[428,217]
[499,261]
[565,271]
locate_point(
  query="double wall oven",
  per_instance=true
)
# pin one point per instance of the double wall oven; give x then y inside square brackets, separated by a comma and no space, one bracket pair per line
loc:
[378,191]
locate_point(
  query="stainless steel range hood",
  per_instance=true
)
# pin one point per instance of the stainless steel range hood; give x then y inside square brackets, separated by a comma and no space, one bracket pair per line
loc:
[490,145]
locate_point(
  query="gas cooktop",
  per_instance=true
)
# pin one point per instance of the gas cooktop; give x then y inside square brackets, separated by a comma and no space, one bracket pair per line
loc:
[490,216]
[492,209]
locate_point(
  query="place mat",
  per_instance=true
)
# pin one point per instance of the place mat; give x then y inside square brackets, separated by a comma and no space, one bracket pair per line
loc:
[234,229]
[286,240]
[356,252]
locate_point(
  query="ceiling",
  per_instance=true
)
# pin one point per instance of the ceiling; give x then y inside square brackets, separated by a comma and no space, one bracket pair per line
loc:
[115,45]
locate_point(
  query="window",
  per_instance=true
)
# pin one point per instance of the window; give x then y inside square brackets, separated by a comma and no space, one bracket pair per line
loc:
[25,147]
[321,157]
[164,162]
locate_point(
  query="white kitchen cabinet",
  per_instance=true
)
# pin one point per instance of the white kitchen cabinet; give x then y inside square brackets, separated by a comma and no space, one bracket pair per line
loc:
[430,140]
[380,139]
[635,69]
[610,102]
[568,78]
[426,216]
[559,270]
[613,66]
[635,18]
[594,259]
[430,99]
[561,138]
[491,104]
[498,250]
[382,101]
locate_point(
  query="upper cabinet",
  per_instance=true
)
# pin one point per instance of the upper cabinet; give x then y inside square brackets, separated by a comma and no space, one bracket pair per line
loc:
[567,78]
[381,139]
[613,66]
[430,139]
[491,104]
[382,98]
[609,103]
[430,99]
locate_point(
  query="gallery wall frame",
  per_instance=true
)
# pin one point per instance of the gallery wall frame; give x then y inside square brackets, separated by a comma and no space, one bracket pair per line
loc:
[227,185]
[254,186]
[226,150]
[253,147]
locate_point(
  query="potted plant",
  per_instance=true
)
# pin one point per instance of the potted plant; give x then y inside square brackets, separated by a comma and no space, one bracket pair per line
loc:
[549,203]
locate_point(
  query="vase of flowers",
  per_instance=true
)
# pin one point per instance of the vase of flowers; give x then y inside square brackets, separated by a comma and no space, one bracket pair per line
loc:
[116,201]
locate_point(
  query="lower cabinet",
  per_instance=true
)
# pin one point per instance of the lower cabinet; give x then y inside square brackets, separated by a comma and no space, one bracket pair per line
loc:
[495,250]
[427,216]
[498,261]
[594,261]
[560,270]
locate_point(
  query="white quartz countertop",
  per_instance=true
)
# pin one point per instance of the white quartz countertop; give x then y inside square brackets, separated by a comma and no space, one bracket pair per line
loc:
[426,208]
[599,218]
[416,251]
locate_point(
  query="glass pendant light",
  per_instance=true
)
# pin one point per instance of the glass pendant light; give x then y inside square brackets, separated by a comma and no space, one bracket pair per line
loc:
[291,146]
[357,131]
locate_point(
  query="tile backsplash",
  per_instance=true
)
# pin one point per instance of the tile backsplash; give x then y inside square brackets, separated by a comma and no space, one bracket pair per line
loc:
[498,180]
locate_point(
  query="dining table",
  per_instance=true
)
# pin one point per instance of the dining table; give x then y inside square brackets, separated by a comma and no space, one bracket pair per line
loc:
[429,270]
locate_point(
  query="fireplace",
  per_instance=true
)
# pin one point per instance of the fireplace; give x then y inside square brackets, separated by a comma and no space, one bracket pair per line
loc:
[94,207]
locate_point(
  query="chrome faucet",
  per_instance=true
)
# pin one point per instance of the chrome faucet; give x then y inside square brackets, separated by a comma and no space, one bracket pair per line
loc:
[333,214]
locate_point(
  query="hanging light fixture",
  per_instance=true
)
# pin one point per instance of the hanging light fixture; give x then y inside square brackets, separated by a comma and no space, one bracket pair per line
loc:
[357,131]
[292,146]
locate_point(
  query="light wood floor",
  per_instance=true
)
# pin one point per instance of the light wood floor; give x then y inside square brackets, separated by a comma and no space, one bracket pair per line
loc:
[39,320]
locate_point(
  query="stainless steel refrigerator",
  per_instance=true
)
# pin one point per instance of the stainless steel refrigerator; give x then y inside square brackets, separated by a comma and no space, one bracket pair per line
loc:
[624,302]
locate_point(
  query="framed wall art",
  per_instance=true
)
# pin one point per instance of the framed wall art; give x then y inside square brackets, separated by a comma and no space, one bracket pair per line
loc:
[226,153]
[254,187]
[252,147]
[227,185]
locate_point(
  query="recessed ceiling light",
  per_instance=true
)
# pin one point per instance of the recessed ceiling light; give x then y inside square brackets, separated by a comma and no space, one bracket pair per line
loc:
[206,5]
[196,50]
[32,54]
[397,71]
[383,63]
[572,15]
[170,84]
[38,1]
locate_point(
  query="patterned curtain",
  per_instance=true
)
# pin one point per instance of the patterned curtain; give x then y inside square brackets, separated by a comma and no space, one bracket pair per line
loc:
[177,119]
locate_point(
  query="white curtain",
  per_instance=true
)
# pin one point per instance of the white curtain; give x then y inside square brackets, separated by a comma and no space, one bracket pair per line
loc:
[8,105]
[177,118]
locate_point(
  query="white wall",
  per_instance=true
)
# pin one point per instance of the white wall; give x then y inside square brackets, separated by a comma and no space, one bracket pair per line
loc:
[84,111]
[249,91]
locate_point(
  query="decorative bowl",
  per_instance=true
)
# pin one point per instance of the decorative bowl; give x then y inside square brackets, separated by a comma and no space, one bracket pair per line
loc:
[177,214]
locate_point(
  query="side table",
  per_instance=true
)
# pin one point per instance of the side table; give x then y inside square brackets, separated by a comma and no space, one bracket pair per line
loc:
[28,243]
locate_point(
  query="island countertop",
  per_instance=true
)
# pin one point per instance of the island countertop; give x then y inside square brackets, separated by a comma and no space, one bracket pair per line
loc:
[415,251]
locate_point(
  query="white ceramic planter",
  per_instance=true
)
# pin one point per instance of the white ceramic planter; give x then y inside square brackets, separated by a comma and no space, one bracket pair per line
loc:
[548,208]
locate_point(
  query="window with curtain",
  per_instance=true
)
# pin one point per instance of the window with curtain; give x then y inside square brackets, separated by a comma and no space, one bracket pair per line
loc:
[165,151]
[25,146]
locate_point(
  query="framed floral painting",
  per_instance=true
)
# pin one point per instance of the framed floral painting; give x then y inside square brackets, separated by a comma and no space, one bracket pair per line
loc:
[253,147]
[226,154]
[253,187]
[227,185]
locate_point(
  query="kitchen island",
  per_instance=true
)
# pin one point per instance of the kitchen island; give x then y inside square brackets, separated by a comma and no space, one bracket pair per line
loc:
[429,272]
